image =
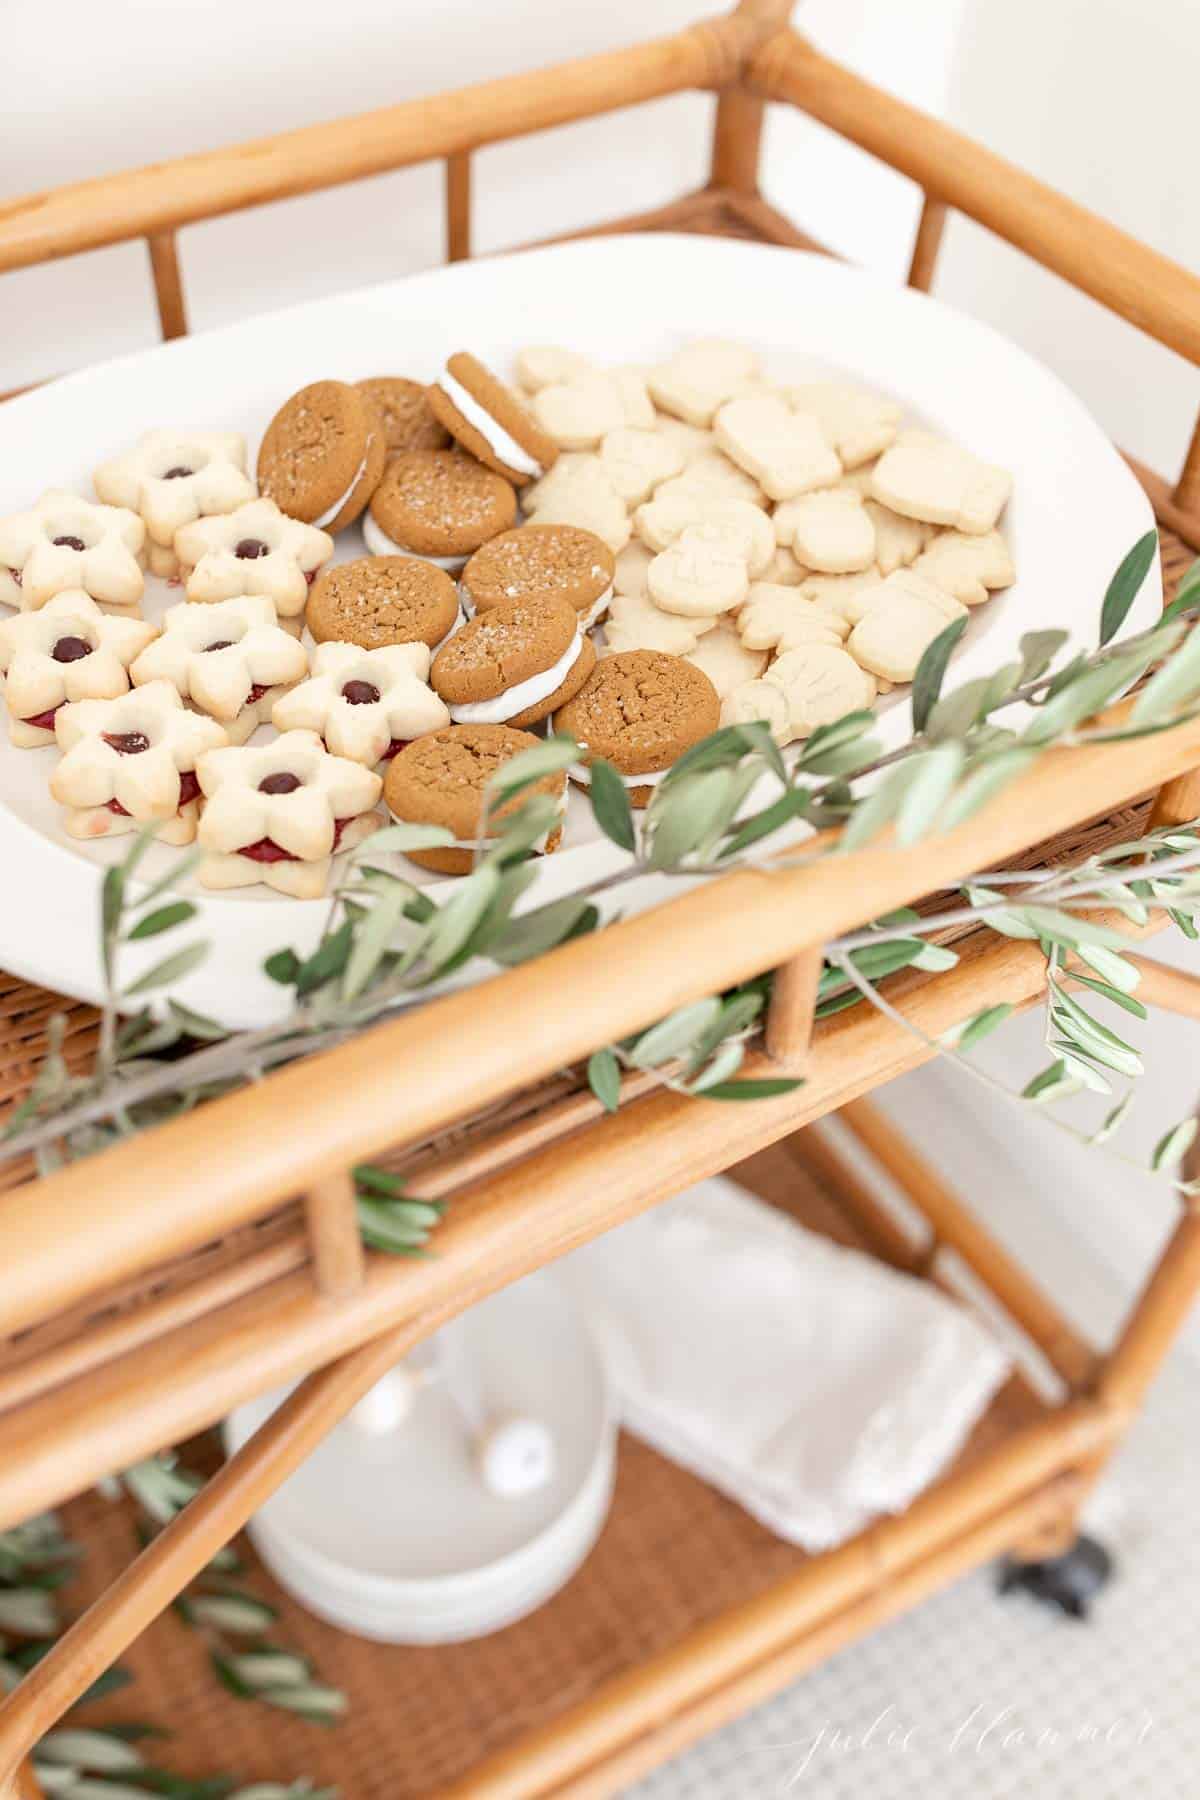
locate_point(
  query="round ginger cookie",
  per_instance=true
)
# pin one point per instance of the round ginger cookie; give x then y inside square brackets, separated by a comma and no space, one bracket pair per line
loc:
[640,711]
[489,420]
[438,504]
[408,421]
[439,779]
[322,455]
[514,664]
[534,562]
[382,600]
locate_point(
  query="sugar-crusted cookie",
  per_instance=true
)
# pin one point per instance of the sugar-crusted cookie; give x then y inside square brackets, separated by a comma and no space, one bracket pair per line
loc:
[636,461]
[404,409]
[726,659]
[829,531]
[322,455]
[577,491]
[776,617]
[173,477]
[278,814]
[786,452]
[66,650]
[230,659]
[580,412]
[820,683]
[67,543]
[513,664]
[256,550]
[634,622]
[759,702]
[898,541]
[542,365]
[941,484]
[970,568]
[660,523]
[695,382]
[537,562]
[439,505]
[130,761]
[631,565]
[489,421]
[858,423]
[640,711]
[440,780]
[364,704]
[701,574]
[383,600]
[900,620]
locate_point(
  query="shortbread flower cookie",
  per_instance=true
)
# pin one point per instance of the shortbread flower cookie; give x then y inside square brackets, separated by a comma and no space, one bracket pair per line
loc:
[970,568]
[900,621]
[256,550]
[231,660]
[67,650]
[726,659]
[634,622]
[489,421]
[786,452]
[65,542]
[637,461]
[280,814]
[697,381]
[858,423]
[898,541]
[941,484]
[830,531]
[131,761]
[364,704]
[703,573]
[661,522]
[774,617]
[174,477]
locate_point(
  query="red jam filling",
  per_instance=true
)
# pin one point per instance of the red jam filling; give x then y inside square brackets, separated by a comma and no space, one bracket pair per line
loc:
[16,576]
[310,575]
[127,743]
[43,721]
[69,541]
[266,850]
[189,790]
[257,691]
[394,748]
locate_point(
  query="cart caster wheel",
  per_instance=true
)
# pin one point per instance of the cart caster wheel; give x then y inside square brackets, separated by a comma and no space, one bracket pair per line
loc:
[1069,1582]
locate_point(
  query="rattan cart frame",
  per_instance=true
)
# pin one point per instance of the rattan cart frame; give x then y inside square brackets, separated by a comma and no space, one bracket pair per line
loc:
[226,1258]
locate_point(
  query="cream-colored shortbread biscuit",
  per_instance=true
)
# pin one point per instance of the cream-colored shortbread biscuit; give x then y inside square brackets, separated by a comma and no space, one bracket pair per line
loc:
[67,650]
[857,422]
[64,542]
[546,365]
[695,382]
[829,532]
[579,413]
[899,622]
[898,541]
[942,485]
[839,593]
[634,622]
[173,477]
[787,453]
[632,564]
[660,522]
[592,508]
[256,550]
[574,469]
[774,616]
[231,659]
[759,702]
[690,440]
[783,569]
[637,461]
[702,573]
[714,475]
[364,702]
[968,567]
[727,661]
[634,395]
[821,683]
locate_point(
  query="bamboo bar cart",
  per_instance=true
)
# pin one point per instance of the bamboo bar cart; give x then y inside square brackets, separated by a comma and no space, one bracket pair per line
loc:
[148,1291]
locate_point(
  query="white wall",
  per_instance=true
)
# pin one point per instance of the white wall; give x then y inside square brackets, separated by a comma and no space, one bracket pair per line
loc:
[1096,94]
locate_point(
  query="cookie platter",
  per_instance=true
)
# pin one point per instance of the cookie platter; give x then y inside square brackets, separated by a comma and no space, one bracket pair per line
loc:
[740,431]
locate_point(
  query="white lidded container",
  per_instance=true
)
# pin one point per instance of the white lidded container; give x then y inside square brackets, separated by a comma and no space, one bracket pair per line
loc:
[393,1535]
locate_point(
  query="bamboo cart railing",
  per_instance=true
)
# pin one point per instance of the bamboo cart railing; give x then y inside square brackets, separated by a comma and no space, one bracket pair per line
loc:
[225,1256]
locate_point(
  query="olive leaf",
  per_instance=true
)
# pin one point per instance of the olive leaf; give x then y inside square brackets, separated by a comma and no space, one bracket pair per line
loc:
[405,838]
[684,813]
[1125,585]
[1038,650]
[933,775]
[604,1079]
[1174,1145]
[931,671]
[610,804]
[673,1036]
[972,1031]
[1177,682]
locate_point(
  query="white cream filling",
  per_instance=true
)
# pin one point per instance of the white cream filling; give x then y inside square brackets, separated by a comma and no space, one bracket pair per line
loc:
[514,700]
[499,442]
[581,773]
[380,544]
[331,512]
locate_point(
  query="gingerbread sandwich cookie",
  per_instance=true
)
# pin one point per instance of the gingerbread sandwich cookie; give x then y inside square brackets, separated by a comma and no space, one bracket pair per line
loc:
[408,421]
[322,455]
[514,664]
[439,505]
[536,562]
[440,780]
[484,415]
[640,711]
[382,600]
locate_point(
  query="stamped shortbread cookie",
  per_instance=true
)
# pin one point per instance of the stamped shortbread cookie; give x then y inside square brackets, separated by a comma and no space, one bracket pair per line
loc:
[839,593]
[786,452]
[968,567]
[545,365]
[231,659]
[65,542]
[900,620]
[660,523]
[256,550]
[726,659]
[941,484]
[636,461]
[131,761]
[690,440]
[774,616]
[634,622]
[898,541]
[66,650]
[365,704]
[820,683]
[702,574]
[830,531]
[698,380]
[783,569]
[581,494]
[759,702]
[858,423]
[578,414]
[173,477]
[634,395]
[711,474]
[631,567]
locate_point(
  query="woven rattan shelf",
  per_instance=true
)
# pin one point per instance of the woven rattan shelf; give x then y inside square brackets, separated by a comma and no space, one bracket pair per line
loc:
[205,1277]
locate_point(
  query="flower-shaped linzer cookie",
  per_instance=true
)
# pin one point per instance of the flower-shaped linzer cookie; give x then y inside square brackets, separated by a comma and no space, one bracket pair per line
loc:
[278,814]
[174,477]
[255,550]
[366,704]
[67,542]
[231,660]
[130,761]
[67,650]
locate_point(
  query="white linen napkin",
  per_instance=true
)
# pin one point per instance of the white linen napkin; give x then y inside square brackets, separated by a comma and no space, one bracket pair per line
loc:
[810,1383]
